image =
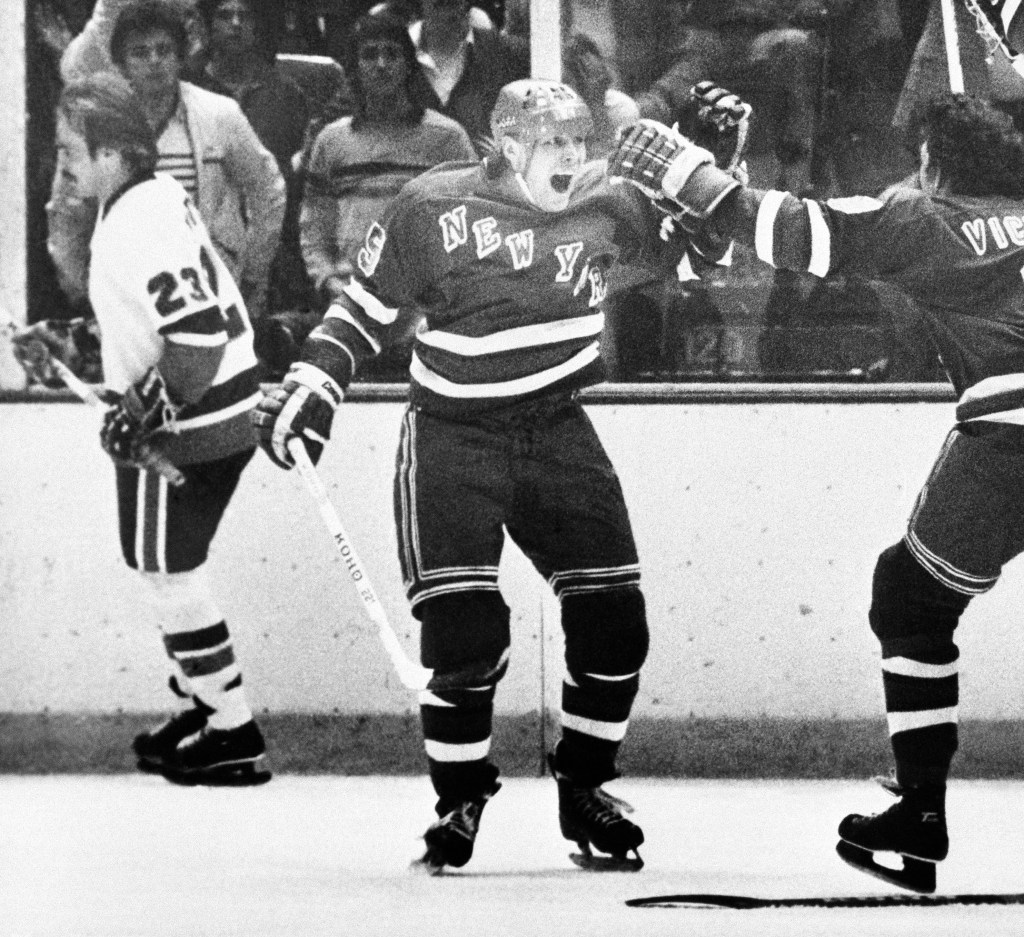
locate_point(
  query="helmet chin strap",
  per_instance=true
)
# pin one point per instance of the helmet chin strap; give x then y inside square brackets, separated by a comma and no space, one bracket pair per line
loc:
[525,189]
[521,180]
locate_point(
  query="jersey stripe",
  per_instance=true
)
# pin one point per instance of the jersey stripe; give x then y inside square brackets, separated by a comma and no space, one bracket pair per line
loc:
[764,231]
[222,400]
[372,306]
[346,316]
[526,336]
[821,240]
[209,321]
[522,385]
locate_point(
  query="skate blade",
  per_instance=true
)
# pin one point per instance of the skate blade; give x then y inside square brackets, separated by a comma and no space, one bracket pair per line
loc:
[916,874]
[592,863]
[146,766]
[427,865]
[238,774]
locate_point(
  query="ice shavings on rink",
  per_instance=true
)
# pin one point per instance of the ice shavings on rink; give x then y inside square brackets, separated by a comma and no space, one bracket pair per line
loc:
[131,856]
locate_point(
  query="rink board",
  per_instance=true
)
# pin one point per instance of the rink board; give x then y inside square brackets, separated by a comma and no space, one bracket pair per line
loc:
[758,525]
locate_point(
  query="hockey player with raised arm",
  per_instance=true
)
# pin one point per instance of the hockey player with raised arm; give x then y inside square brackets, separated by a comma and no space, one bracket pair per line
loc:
[955,244]
[179,368]
[509,258]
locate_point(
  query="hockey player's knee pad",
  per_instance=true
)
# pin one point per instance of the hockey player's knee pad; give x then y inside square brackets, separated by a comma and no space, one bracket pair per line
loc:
[909,604]
[465,639]
[605,632]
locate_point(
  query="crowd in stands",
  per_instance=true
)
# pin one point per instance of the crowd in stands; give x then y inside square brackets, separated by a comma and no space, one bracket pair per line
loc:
[293,122]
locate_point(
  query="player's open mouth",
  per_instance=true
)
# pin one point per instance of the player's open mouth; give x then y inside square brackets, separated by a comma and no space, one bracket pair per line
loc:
[561,181]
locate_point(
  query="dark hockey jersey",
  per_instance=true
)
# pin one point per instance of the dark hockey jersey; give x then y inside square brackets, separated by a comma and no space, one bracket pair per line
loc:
[513,295]
[960,258]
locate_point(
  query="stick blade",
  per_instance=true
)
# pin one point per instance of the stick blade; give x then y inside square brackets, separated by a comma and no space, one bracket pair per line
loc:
[735,902]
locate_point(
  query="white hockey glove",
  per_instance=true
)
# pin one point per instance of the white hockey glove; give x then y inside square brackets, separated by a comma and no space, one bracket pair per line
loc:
[303,405]
[144,410]
[661,162]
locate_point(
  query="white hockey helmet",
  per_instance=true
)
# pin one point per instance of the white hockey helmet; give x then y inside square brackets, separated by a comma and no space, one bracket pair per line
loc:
[528,108]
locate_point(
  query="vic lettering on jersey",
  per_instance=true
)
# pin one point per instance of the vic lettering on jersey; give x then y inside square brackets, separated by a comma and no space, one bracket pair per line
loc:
[1003,231]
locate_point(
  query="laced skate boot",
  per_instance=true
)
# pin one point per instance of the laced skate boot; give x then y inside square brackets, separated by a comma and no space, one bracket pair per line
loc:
[155,744]
[219,758]
[450,839]
[591,817]
[914,827]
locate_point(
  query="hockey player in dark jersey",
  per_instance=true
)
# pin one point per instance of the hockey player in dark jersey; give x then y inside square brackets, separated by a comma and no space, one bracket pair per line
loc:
[510,259]
[955,244]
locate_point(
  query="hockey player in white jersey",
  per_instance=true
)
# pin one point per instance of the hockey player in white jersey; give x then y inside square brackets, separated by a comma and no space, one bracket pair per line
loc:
[178,365]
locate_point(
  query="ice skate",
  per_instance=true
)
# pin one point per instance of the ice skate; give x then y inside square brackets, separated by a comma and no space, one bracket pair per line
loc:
[914,828]
[154,745]
[450,839]
[593,819]
[218,758]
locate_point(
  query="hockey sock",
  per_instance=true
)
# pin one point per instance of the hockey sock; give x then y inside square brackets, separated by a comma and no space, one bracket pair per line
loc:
[595,717]
[457,737]
[197,638]
[921,682]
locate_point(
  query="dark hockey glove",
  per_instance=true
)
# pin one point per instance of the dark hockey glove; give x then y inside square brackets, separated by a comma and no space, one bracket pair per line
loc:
[722,123]
[662,163]
[144,410]
[303,406]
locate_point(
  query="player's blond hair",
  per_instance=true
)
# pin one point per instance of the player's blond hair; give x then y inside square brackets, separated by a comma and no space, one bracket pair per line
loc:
[105,111]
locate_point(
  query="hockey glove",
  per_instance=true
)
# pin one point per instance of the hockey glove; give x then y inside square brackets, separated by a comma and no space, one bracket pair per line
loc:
[302,406]
[661,162]
[144,410]
[724,120]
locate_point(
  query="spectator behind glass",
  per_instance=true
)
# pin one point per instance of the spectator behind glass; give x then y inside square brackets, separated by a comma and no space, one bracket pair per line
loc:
[240,64]
[89,51]
[766,50]
[204,141]
[591,76]
[359,163]
[463,67]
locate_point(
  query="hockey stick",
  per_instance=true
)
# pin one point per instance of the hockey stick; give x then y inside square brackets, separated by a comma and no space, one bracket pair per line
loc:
[412,675]
[952,39]
[149,458]
[994,22]
[744,903]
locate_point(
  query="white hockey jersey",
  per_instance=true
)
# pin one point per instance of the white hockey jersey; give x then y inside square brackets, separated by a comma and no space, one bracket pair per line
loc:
[155,279]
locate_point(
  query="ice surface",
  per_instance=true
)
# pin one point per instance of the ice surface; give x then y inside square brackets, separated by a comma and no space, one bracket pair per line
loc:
[131,856]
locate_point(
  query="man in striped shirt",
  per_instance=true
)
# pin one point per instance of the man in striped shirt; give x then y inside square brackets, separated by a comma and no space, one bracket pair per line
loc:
[180,371]
[955,245]
[203,140]
[509,258]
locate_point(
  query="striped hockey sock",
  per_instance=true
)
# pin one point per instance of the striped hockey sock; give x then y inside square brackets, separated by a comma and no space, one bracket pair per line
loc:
[921,701]
[207,658]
